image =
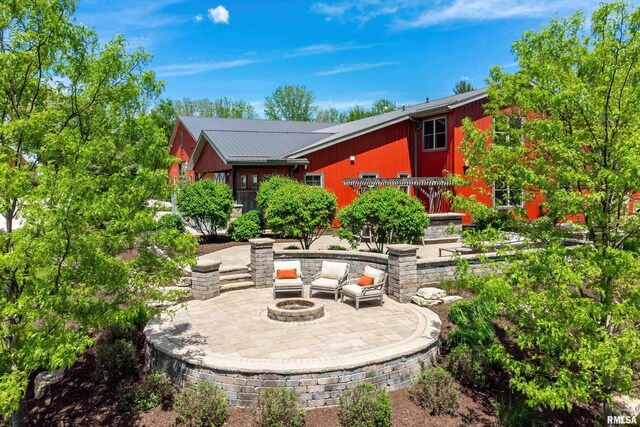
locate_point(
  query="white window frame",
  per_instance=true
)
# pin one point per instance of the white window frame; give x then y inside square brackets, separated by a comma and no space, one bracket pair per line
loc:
[243,182]
[507,135]
[316,174]
[255,182]
[499,203]
[406,188]
[446,134]
[181,139]
[376,175]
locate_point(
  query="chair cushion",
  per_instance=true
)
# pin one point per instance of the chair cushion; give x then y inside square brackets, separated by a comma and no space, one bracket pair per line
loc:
[287,265]
[365,281]
[333,270]
[378,275]
[356,291]
[287,283]
[323,283]
[287,274]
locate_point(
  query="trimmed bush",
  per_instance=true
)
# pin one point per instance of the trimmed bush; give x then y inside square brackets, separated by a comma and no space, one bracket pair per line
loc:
[469,367]
[277,407]
[170,222]
[516,413]
[116,359]
[206,205]
[246,227]
[268,188]
[365,406]
[202,404]
[436,391]
[337,248]
[393,215]
[154,388]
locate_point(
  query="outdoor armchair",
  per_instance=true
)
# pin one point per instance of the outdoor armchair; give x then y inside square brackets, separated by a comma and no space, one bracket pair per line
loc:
[330,278]
[374,292]
[292,284]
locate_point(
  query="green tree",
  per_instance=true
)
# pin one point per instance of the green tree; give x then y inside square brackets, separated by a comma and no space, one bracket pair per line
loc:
[301,212]
[206,205]
[383,106]
[463,86]
[392,215]
[288,102]
[355,113]
[573,312]
[79,160]
[221,107]
[268,188]
[164,114]
[329,115]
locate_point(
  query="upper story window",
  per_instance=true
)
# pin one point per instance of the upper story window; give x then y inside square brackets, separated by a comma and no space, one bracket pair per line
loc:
[181,139]
[507,197]
[315,179]
[508,129]
[434,134]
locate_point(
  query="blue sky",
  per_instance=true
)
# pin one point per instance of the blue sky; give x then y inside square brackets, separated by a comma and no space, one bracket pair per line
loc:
[347,51]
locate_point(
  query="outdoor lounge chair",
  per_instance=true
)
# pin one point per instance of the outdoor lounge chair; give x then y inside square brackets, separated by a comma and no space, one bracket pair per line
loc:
[330,278]
[366,235]
[289,284]
[375,291]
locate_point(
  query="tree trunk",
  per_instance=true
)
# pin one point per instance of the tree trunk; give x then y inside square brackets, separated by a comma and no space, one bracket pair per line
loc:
[19,418]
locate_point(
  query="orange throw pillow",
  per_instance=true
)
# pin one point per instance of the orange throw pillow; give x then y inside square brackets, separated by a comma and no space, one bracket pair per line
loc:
[287,274]
[365,281]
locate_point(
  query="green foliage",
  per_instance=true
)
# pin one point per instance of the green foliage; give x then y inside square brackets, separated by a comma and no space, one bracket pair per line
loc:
[154,388]
[292,247]
[469,366]
[572,313]
[393,215]
[288,102]
[463,86]
[164,115]
[170,222]
[116,360]
[329,115]
[221,107]
[516,413]
[365,406]
[337,248]
[301,212]
[246,227]
[206,205]
[436,391]
[473,319]
[277,407]
[268,188]
[79,160]
[202,404]
[632,244]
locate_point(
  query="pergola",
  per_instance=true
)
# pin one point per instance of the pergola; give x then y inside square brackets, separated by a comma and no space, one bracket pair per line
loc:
[433,188]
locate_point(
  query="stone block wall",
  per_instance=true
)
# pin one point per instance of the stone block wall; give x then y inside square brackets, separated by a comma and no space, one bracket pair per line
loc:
[262,262]
[205,280]
[402,281]
[440,227]
[434,272]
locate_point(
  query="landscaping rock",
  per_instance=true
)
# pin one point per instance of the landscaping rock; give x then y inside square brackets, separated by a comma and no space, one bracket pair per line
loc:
[431,293]
[184,282]
[422,302]
[451,298]
[44,380]
[626,405]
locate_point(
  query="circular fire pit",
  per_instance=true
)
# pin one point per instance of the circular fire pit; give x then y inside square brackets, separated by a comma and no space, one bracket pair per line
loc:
[295,310]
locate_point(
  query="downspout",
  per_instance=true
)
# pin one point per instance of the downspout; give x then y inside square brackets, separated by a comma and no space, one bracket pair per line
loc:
[415,145]
[292,170]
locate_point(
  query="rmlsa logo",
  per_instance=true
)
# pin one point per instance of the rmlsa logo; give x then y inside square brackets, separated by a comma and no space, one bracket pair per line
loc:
[621,419]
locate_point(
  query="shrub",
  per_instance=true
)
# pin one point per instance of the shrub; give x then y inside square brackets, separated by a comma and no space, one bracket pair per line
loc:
[337,248]
[436,391]
[632,244]
[301,211]
[292,247]
[277,407]
[473,319]
[206,205]
[201,404]
[268,188]
[469,367]
[516,413]
[170,222]
[393,215]
[246,227]
[116,359]
[154,388]
[365,406]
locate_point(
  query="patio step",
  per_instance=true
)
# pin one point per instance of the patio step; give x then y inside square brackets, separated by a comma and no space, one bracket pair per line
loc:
[233,269]
[234,278]
[235,286]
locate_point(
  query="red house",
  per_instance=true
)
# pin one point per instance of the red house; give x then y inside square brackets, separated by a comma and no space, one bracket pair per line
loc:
[419,141]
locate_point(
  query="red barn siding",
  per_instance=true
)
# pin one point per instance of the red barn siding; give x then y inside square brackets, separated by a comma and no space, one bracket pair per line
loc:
[385,152]
[209,161]
[183,153]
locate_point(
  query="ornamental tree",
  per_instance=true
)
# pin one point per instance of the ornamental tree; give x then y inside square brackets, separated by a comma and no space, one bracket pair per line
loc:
[206,205]
[289,102]
[391,214]
[268,188]
[301,212]
[79,160]
[573,312]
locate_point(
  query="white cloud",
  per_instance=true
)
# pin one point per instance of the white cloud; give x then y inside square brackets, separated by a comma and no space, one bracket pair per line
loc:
[198,18]
[348,68]
[319,49]
[219,15]
[188,69]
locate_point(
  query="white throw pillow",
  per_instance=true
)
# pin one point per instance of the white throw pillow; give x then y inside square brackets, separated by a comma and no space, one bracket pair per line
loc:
[377,275]
[333,270]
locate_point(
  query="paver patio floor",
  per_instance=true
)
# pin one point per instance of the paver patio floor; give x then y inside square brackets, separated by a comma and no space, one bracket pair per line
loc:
[233,329]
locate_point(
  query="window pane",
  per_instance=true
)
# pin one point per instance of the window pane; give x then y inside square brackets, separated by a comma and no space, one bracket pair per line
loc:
[428,127]
[313,180]
[441,126]
[441,140]
[428,142]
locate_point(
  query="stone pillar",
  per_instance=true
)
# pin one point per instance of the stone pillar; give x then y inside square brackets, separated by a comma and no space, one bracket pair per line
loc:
[403,272]
[205,280]
[262,262]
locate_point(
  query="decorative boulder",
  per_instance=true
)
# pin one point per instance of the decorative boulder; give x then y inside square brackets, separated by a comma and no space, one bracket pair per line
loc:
[425,302]
[626,405]
[44,380]
[431,293]
[450,299]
